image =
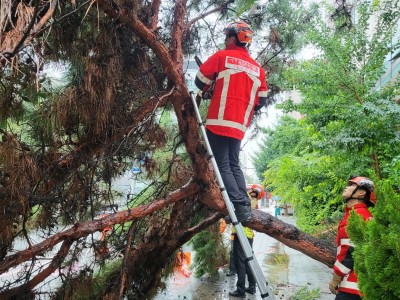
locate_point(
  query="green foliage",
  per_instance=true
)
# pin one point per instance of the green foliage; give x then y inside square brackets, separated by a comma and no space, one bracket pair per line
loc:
[377,250]
[288,137]
[244,5]
[350,125]
[305,294]
[311,183]
[211,251]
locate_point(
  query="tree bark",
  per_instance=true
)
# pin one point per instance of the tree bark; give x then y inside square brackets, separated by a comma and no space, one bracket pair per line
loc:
[292,237]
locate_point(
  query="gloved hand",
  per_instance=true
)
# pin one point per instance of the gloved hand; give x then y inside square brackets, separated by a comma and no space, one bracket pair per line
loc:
[336,279]
[207,95]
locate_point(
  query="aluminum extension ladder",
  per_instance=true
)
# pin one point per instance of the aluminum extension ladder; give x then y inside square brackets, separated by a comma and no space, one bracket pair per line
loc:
[250,258]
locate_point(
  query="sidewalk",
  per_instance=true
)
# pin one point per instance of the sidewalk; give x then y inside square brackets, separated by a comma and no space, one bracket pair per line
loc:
[288,270]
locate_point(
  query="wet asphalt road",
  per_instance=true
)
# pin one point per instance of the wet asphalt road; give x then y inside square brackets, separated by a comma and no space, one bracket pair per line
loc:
[286,270]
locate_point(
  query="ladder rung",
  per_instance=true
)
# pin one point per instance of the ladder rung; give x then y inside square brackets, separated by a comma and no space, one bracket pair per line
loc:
[264,295]
[247,259]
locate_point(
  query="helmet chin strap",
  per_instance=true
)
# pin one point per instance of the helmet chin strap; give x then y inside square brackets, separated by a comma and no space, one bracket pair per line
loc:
[352,194]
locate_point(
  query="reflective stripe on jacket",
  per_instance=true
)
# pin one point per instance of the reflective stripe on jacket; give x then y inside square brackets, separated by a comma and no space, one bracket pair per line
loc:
[344,264]
[239,84]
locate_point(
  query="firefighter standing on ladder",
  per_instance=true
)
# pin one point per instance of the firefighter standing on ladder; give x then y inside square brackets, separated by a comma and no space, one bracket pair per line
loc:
[239,88]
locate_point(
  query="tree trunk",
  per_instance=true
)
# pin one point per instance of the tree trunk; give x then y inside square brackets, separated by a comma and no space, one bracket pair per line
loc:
[292,237]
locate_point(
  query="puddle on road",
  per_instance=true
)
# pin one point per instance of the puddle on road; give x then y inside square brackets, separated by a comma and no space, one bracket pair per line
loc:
[207,287]
[274,264]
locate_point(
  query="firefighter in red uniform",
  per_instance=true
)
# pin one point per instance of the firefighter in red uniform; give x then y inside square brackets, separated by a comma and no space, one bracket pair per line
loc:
[359,195]
[238,87]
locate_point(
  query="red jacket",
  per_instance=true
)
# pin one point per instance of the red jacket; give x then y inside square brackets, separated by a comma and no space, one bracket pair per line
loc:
[344,264]
[239,84]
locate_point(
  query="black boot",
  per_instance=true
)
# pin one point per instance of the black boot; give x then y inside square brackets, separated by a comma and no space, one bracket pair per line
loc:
[251,289]
[238,294]
[243,212]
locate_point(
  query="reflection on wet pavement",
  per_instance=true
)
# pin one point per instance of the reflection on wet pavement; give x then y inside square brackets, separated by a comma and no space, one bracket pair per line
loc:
[277,263]
[274,263]
[286,271]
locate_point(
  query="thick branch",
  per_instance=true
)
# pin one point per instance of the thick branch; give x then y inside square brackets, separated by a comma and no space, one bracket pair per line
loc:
[46,17]
[155,8]
[292,237]
[177,31]
[80,230]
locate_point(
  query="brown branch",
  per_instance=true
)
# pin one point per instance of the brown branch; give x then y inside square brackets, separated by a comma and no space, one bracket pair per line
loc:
[155,8]
[177,31]
[375,160]
[54,265]
[292,237]
[189,233]
[124,275]
[83,229]
[45,18]
[149,37]
[203,15]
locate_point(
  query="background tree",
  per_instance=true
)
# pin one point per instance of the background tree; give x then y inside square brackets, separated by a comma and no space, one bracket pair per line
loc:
[350,126]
